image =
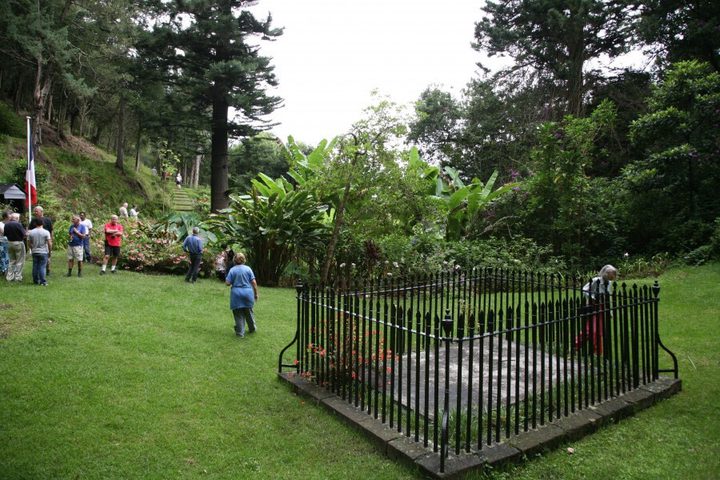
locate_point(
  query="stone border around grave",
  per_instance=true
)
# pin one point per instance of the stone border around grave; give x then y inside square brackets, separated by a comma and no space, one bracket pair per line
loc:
[399,447]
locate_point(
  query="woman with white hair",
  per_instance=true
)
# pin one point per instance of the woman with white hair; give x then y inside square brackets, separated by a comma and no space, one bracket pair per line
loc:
[596,291]
[243,295]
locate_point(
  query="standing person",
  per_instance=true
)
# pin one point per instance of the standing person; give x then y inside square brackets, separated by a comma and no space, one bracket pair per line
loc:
[193,245]
[15,233]
[40,245]
[87,256]
[243,295]
[220,265]
[124,210]
[113,240]
[229,258]
[133,212]
[178,179]
[4,261]
[39,217]
[77,232]
[596,291]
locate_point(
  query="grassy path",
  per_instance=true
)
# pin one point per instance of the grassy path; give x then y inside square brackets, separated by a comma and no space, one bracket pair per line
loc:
[138,376]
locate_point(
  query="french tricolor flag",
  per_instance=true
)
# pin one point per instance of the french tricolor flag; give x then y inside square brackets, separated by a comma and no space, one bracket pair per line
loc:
[30,185]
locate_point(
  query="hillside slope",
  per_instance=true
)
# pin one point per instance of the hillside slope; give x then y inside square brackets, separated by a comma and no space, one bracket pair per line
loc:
[74,175]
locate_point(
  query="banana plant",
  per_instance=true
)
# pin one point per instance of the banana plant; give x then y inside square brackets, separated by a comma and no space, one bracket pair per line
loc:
[274,223]
[179,225]
[463,202]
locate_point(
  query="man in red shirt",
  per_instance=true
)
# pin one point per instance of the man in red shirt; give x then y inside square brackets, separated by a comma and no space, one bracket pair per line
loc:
[113,240]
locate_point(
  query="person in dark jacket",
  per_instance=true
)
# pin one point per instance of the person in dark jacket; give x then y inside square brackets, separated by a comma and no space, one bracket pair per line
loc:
[193,245]
[15,234]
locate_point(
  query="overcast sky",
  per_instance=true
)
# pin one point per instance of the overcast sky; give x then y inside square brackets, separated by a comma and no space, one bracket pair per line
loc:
[333,53]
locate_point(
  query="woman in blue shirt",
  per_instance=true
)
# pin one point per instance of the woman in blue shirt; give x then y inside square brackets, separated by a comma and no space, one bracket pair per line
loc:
[243,294]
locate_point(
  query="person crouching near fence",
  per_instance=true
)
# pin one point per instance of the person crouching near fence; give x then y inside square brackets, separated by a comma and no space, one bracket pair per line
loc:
[243,295]
[596,291]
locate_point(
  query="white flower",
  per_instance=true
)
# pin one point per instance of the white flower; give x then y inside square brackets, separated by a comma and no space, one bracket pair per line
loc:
[342,265]
[626,255]
[395,264]
[352,265]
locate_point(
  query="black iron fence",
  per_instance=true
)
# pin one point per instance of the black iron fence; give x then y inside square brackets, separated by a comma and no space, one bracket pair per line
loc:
[462,360]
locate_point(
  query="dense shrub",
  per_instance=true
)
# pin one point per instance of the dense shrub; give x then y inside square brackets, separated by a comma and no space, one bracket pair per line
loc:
[145,250]
[427,253]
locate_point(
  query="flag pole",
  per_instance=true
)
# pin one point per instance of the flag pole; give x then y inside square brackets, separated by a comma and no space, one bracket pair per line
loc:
[28,187]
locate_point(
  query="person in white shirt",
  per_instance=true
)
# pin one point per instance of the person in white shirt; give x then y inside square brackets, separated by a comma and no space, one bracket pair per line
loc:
[124,211]
[86,241]
[134,212]
[178,179]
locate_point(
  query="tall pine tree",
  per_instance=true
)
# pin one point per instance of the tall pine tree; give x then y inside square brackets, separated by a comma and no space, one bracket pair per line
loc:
[210,50]
[556,38]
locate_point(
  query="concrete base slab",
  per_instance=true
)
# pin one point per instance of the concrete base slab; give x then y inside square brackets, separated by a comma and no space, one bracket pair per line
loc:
[397,446]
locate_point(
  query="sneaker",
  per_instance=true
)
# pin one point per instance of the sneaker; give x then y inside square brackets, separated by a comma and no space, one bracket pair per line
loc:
[69,274]
[79,274]
[113,271]
[102,272]
[43,284]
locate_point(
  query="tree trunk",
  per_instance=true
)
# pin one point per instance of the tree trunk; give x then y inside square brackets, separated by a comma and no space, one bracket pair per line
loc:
[137,146]
[98,133]
[40,93]
[50,112]
[219,152]
[120,159]
[339,217]
[196,170]
[576,80]
[17,99]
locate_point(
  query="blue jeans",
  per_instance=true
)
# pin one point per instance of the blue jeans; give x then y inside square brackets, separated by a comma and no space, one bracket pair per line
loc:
[194,268]
[39,268]
[86,248]
[243,315]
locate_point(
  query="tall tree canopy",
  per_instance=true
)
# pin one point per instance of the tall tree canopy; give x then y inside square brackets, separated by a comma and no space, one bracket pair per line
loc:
[675,186]
[209,49]
[682,30]
[556,38]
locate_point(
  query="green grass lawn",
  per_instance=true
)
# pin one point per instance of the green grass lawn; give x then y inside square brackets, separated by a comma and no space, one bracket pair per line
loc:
[140,376]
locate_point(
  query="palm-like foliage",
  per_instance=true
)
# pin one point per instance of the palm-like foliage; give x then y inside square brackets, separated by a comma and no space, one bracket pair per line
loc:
[179,225]
[274,223]
[463,202]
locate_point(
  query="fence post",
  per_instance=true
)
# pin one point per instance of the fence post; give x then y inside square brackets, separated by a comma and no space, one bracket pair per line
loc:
[297,339]
[447,325]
